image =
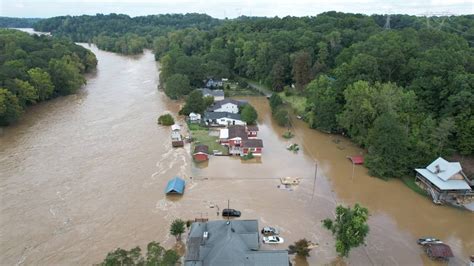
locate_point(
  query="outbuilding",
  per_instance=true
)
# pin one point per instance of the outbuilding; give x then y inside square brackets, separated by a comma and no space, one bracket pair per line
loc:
[175,186]
[201,153]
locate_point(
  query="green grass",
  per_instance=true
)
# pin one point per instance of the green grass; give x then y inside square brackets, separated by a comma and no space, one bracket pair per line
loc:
[194,127]
[202,137]
[410,182]
[298,103]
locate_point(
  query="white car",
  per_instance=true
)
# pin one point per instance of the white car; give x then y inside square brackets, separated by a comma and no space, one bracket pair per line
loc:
[273,240]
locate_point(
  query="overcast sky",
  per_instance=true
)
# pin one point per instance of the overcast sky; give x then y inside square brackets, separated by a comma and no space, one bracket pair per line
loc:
[231,8]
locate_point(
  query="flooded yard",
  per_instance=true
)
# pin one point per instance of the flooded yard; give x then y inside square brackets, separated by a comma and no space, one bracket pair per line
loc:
[84,174]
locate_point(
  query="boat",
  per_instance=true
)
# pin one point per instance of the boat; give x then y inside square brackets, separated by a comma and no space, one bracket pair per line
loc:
[288,180]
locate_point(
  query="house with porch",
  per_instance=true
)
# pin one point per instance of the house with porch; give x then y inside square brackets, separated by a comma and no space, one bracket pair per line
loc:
[222,119]
[254,146]
[227,105]
[252,131]
[233,242]
[236,137]
[446,183]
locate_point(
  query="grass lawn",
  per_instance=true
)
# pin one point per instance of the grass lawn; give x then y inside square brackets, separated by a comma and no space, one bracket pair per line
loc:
[410,182]
[202,137]
[296,102]
[195,126]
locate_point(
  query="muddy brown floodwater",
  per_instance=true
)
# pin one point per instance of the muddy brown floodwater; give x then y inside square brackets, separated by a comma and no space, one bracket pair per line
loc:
[84,174]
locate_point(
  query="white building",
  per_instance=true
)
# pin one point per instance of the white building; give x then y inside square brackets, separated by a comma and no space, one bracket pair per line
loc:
[227,105]
[194,117]
[222,119]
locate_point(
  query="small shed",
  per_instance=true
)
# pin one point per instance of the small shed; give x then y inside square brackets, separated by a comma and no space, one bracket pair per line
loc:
[439,251]
[175,186]
[201,153]
[175,127]
[194,117]
[357,159]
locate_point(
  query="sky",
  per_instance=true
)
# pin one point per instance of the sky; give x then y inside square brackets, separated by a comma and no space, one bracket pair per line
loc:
[232,8]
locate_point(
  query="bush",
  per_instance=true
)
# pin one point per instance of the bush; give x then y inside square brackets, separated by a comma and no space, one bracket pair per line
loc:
[300,247]
[282,117]
[249,114]
[288,135]
[165,120]
[248,156]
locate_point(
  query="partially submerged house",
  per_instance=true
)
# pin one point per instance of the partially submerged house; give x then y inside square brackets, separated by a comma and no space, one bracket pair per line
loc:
[227,105]
[235,242]
[214,83]
[446,183]
[222,119]
[175,186]
[217,94]
[254,146]
[252,131]
[176,138]
[201,153]
[439,251]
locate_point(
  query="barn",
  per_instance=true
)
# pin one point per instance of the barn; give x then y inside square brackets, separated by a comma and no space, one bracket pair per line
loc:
[175,186]
[201,153]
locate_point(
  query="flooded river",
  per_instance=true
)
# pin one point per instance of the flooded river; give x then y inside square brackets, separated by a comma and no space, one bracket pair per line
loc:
[84,174]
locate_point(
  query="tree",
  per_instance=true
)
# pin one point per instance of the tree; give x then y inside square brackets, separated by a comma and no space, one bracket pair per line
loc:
[66,76]
[275,102]
[208,101]
[249,114]
[124,257]
[194,103]
[302,69]
[177,228]
[387,147]
[324,104]
[349,228]
[10,108]
[177,85]
[282,117]
[166,120]
[156,256]
[300,247]
[41,81]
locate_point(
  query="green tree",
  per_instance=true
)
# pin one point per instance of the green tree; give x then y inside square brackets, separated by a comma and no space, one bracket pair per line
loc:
[41,81]
[302,69]
[177,85]
[282,117]
[300,247]
[166,120]
[208,101]
[387,148]
[177,228]
[194,103]
[66,76]
[249,114]
[10,108]
[157,255]
[324,104]
[349,228]
[26,93]
[275,102]
[123,257]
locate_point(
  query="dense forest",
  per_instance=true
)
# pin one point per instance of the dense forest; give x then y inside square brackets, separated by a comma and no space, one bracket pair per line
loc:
[121,33]
[37,68]
[9,22]
[403,90]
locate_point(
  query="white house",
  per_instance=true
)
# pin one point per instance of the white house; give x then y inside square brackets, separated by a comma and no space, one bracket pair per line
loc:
[222,119]
[217,94]
[227,105]
[193,117]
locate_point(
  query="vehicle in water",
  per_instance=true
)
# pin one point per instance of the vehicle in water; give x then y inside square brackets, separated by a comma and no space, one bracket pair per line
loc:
[273,240]
[268,230]
[428,240]
[231,213]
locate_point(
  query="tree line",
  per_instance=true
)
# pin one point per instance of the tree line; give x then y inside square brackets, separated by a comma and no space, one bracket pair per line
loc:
[404,93]
[37,68]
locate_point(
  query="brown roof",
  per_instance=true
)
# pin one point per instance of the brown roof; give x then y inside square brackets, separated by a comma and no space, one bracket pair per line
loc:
[439,251]
[252,143]
[201,148]
[237,131]
[252,128]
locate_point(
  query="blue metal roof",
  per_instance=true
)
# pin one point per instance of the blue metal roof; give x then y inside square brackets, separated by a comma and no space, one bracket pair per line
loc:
[175,185]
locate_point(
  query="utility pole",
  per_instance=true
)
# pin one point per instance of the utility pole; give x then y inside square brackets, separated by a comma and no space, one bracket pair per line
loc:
[314,181]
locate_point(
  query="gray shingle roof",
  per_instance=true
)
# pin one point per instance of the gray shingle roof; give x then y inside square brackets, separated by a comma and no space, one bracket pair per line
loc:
[237,131]
[252,143]
[233,243]
[219,115]
[214,93]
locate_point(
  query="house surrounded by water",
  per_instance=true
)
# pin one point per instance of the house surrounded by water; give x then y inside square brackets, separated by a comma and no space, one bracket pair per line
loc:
[446,183]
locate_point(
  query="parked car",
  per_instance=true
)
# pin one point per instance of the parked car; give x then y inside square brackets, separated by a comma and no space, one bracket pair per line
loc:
[231,212]
[273,240]
[428,240]
[268,230]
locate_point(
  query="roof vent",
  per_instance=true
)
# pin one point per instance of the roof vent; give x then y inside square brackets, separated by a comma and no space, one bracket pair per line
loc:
[205,235]
[437,169]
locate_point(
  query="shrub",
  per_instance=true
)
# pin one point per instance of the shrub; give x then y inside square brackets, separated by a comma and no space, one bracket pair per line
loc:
[165,120]
[300,247]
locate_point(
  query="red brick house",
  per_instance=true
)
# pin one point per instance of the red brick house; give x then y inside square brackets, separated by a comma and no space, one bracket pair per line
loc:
[254,146]
[201,153]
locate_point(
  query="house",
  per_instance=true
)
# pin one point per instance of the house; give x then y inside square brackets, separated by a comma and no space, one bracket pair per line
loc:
[194,118]
[236,135]
[234,242]
[254,146]
[252,131]
[175,186]
[176,138]
[222,119]
[357,159]
[224,136]
[439,251]
[201,153]
[211,83]
[446,183]
[217,94]
[227,105]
